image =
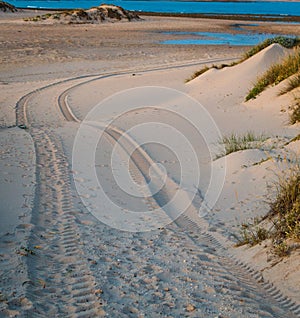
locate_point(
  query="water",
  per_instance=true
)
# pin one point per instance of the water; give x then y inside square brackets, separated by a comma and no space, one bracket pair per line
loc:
[211,38]
[257,8]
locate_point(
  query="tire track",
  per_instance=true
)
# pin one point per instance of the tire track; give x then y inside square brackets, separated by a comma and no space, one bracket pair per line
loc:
[61,284]
[57,233]
[194,226]
[60,281]
[195,229]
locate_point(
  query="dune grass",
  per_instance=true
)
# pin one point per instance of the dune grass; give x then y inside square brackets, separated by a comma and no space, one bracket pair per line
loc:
[284,215]
[206,68]
[287,42]
[277,73]
[197,73]
[234,142]
[294,82]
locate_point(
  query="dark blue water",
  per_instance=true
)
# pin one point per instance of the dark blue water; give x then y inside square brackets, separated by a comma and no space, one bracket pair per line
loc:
[257,8]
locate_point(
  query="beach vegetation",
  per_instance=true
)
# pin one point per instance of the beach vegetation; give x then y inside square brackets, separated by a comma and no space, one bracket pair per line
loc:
[293,82]
[198,73]
[287,42]
[234,142]
[284,216]
[252,233]
[206,68]
[276,74]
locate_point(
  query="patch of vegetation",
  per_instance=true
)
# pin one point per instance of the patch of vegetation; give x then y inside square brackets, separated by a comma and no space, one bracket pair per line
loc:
[295,112]
[198,73]
[293,83]
[287,42]
[92,15]
[234,142]
[56,16]
[252,234]
[284,214]
[277,73]
[206,68]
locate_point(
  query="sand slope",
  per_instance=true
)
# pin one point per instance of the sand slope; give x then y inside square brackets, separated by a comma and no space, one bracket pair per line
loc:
[251,172]
[73,265]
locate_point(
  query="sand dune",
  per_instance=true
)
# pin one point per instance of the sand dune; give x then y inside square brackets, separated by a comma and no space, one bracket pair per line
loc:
[65,262]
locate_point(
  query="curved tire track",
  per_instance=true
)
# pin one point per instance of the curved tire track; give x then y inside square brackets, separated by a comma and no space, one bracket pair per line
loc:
[240,274]
[80,299]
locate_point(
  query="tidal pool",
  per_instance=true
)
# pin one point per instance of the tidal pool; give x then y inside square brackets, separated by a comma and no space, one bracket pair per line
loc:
[212,38]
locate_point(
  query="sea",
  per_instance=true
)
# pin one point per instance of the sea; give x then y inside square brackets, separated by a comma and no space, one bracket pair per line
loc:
[273,8]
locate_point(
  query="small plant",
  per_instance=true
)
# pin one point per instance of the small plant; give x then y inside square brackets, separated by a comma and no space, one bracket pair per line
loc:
[286,206]
[252,234]
[197,73]
[295,112]
[233,142]
[293,83]
[280,249]
[284,214]
[276,73]
[56,16]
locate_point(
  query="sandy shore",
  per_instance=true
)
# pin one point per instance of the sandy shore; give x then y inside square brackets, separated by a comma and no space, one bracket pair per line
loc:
[57,258]
[37,49]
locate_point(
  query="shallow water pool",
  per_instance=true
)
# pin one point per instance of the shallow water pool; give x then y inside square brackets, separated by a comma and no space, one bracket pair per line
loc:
[212,38]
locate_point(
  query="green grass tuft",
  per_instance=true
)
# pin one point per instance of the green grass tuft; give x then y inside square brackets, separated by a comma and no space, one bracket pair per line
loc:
[233,142]
[277,73]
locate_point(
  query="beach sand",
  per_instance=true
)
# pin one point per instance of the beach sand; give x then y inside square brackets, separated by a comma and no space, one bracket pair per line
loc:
[57,258]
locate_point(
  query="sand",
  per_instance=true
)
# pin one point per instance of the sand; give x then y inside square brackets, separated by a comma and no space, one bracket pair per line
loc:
[62,251]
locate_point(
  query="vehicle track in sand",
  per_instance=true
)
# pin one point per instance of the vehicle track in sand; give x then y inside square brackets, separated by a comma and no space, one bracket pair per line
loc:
[62,283]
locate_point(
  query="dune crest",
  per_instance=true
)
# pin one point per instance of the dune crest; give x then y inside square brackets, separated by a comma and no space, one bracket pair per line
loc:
[94,15]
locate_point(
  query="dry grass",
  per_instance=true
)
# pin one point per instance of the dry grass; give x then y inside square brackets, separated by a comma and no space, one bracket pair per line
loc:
[197,73]
[287,42]
[294,82]
[284,215]
[277,73]
[206,68]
